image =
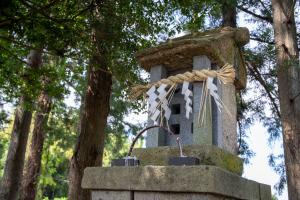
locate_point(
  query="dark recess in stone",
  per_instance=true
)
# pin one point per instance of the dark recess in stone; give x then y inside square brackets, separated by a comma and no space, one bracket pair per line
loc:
[175,129]
[175,109]
[179,161]
[125,162]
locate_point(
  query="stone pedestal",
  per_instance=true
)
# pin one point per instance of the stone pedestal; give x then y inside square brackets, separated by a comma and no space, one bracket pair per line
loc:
[201,182]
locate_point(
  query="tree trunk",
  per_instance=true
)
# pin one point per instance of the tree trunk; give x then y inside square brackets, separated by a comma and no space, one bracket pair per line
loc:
[229,13]
[288,72]
[90,143]
[33,164]
[13,170]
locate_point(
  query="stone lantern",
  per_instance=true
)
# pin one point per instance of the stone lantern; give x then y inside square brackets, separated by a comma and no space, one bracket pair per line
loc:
[208,50]
[213,143]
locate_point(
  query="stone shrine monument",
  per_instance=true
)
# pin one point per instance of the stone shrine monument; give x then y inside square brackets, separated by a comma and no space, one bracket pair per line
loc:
[194,79]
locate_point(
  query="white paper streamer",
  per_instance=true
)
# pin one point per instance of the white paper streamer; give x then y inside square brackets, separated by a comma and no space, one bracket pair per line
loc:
[167,110]
[164,101]
[157,97]
[155,116]
[213,90]
[152,96]
[187,97]
[162,92]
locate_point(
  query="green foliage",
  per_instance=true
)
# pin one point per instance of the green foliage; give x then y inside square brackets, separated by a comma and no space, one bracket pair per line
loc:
[63,30]
[116,146]
[4,143]
[58,147]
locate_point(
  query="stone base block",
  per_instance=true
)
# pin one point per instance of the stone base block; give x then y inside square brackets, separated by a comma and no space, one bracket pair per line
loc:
[125,195]
[207,154]
[201,182]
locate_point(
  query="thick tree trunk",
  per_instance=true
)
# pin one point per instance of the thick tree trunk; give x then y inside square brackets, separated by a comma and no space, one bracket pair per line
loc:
[288,72]
[16,154]
[89,148]
[33,164]
[13,170]
[229,13]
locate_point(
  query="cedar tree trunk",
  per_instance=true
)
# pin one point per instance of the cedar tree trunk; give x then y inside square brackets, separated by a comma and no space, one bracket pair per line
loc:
[14,165]
[33,164]
[90,143]
[229,13]
[288,72]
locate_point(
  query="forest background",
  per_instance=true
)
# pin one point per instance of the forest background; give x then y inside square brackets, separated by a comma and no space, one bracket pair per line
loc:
[53,51]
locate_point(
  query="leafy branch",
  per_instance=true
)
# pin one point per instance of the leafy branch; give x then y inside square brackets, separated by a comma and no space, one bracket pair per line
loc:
[264,18]
[255,72]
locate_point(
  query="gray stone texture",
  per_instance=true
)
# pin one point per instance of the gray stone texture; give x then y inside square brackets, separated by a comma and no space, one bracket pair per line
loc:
[156,137]
[187,179]
[111,195]
[226,119]
[202,132]
[177,196]
[185,124]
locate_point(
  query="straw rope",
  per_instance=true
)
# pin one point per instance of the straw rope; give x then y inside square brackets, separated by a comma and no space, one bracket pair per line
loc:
[226,74]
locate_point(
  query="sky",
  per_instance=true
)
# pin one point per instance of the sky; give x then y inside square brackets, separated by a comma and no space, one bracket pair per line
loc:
[258,169]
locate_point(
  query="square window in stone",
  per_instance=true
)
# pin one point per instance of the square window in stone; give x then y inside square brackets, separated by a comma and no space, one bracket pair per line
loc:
[175,128]
[175,108]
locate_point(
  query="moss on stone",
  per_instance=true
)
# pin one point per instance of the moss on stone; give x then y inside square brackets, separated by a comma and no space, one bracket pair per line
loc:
[208,155]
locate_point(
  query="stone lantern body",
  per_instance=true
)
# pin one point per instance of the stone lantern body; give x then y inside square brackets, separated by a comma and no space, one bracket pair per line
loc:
[218,177]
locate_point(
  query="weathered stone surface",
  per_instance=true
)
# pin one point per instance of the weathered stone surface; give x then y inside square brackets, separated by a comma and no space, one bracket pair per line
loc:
[188,179]
[156,137]
[265,192]
[111,195]
[177,196]
[226,119]
[208,155]
[202,134]
[220,45]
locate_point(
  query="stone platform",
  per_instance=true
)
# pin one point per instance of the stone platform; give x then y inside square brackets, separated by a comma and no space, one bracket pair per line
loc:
[201,182]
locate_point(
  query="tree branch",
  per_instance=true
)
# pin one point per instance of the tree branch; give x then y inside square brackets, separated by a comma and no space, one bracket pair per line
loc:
[41,12]
[264,6]
[261,40]
[254,71]
[267,19]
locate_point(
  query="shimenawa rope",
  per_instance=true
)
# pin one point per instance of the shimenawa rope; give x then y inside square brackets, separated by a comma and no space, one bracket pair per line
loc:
[226,74]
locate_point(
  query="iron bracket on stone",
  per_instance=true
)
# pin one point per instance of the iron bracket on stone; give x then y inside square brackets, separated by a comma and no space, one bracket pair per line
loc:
[133,161]
[177,161]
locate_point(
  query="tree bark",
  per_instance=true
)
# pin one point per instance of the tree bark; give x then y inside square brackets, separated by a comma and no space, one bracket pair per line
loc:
[33,164]
[288,72]
[229,13]
[90,143]
[14,165]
